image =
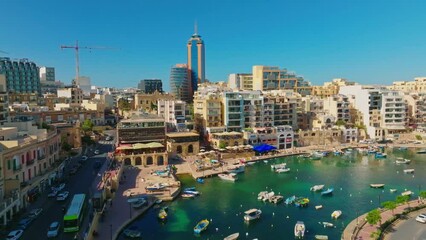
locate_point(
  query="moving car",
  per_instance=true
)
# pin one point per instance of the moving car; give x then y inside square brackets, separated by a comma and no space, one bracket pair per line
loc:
[24,223]
[421,218]
[53,230]
[35,212]
[15,234]
[62,196]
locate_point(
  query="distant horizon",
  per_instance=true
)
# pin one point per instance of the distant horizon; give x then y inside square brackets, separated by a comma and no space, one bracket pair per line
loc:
[376,42]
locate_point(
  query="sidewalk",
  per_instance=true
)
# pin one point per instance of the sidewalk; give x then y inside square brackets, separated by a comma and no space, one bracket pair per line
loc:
[360,229]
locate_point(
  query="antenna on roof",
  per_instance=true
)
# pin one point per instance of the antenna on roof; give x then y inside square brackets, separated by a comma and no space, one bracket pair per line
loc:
[195,27]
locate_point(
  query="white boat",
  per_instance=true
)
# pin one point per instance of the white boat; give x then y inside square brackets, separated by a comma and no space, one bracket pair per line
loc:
[336,214]
[423,151]
[402,161]
[268,196]
[187,195]
[299,229]
[276,199]
[318,207]
[265,161]
[261,195]
[411,170]
[281,170]
[251,163]
[156,187]
[193,192]
[236,169]
[232,236]
[228,177]
[252,214]
[377,185]
[392,190]
[321,237]
[406,193]
[139,203]
[277,166]
[326,224]
[317,188]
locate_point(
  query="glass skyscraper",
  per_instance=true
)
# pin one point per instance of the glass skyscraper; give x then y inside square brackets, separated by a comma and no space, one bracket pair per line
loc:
[196,61]
[179,82]
[22,76]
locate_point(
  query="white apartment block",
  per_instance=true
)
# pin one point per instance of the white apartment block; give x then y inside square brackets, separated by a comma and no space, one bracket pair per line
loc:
[173,112]
[240,81]
[338,106]
[384,110]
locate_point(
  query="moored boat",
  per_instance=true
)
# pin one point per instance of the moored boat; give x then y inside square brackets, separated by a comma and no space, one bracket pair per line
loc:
[251,163]
[402,161]
[411,170]
[321,237]
[276,199]
[252,214]
[138,203]
[201,226]
[407,193]
[317,188]
[377,185]
[193,192]
[328,191]
[132,232]
[336,214]
[392,190]
[268,196]
[189,189]
[232,236]
[228,177]
[299,229]
[290,200]
[200,180]
[301,202]
[261,195]
[187,195]
[156,187]
[281,170]
[277,166]
[236,169]
[423,151]
[318,207]
[380,155]
[162,215]
[327,224]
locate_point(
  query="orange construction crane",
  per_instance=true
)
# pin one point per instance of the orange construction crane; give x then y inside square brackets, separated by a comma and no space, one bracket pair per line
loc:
[77,63]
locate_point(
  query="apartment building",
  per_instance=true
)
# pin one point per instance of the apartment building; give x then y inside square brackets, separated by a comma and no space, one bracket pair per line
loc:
[174,114]
[66,115]
[416,114]
[4,100]
[418,85]
[273,78]
[281,137]
[285,104]
[147,102]
[338,106]
[240,81]
[330,88]
[73,93]
[22,76]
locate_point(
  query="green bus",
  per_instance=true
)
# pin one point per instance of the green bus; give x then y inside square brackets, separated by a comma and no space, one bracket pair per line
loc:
[75,213]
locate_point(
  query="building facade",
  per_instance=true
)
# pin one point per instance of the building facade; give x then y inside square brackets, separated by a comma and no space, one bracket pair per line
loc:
[47,74]
[196,61]
[240,81]
[183,143]
[21,76]
[4,100]
[180,83]
[174,114]
[151,85]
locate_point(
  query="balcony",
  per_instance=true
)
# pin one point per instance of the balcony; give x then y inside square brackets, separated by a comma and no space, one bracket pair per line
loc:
[17,168]
[30,162]
[41,157]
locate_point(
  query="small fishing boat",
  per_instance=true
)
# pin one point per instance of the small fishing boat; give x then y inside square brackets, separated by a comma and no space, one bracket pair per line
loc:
[236,169]
[328,191]
[187,195]
[156,187]
[379,185]
[261,195]
[189,189]
[411,170]
[132,232]
[228,177]
[299,229]
[265,161]
[318,207]
[277,166]
[200,180]
[162,215]
[392,190]
[268,196]
[281,170]
[301,202]
[193,192]
[317,188]
[380,155]
[158,201]
[140,202]
[321,237]
[403,148]
[201,226]
[251,163]
[252,214]
[276,199]
[327,224]
[423,151]
[290,200]
[407,193]
[232,236]
[336,214]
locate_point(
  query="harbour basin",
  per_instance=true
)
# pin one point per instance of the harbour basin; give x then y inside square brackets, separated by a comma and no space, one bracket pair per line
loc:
[223,203]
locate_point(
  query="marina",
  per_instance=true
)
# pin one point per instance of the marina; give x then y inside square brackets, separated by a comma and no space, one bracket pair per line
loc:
[226,214]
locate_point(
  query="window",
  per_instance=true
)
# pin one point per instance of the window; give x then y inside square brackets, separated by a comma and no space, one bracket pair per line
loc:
[8,164]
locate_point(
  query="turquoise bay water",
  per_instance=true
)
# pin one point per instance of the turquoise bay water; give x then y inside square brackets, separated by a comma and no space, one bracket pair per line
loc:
[224,202]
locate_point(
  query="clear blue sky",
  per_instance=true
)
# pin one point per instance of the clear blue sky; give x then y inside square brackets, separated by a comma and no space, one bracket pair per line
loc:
[367,41]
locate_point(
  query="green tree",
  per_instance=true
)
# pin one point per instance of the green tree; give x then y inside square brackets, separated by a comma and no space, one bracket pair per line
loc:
[418,137]
[123,105]
[422,195]
[373,217]
[340,122]
[403,199]
[389,205]
[45,125]
[87,126]
[222,145]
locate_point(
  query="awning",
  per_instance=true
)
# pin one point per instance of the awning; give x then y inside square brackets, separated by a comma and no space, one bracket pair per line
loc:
[264,148]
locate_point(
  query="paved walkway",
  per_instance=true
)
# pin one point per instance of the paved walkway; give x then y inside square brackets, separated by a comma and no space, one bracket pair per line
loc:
[360,229]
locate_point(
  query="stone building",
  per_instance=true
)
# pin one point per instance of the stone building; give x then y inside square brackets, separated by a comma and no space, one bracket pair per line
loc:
[183,143]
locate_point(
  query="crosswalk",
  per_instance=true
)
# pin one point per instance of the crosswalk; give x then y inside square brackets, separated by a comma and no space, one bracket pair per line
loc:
[106,142]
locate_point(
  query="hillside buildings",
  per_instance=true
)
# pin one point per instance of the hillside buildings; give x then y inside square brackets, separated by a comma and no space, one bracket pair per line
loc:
[151,85]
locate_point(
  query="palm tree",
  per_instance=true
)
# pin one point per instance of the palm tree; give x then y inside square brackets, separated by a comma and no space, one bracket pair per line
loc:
[389,205]
[374,217]
[403,199]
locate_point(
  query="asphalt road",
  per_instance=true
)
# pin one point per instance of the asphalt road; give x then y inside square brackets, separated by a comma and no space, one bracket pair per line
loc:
[410,230]
[81,182]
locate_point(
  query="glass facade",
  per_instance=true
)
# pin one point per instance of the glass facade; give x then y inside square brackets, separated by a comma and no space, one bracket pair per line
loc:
[196,61]
[179,82]
[21,76]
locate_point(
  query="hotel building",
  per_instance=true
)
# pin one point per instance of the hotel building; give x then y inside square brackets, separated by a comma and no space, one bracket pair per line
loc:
[21,76]
[179,82]
[196,61]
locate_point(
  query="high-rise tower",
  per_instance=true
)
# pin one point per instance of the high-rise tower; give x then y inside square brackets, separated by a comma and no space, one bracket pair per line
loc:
[196,61]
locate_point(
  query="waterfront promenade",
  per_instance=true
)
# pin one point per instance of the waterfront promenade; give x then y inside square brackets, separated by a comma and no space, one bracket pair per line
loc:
[360,229]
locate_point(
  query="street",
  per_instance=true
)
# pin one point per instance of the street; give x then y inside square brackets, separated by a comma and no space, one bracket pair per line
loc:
[81,182]
[410,229]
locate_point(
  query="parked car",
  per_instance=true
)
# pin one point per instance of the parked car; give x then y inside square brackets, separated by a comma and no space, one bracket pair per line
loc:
[52,194]
[15,234]
[60,187]
[62,196]
[35,212]
[53,230]
[421,218]
[24,223]
[96,152]
[84,158]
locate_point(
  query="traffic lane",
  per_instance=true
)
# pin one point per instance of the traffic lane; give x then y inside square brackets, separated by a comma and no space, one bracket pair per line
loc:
[409,229]
[52,210]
